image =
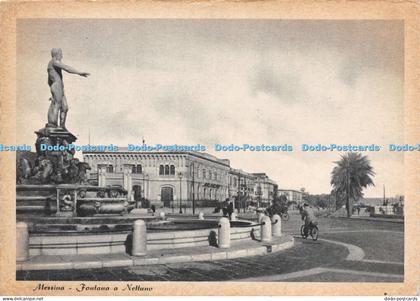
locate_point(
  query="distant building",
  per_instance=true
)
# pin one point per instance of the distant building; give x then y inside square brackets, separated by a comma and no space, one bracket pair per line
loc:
[265,188]
[292,195]
[241,187]
[380,201]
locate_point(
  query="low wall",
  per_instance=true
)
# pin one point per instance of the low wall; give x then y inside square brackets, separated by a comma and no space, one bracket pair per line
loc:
[120,242]
[194,238]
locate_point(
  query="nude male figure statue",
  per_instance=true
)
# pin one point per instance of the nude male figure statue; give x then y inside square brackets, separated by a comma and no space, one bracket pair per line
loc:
[58,106]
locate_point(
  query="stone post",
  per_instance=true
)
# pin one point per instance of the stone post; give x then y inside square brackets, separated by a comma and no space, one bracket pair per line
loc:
[265,229]
[127,181]
[201,216]
[22,241]
[260,216]
[102,177]
[139,238]
[276,225]
[233,217]
[223,237]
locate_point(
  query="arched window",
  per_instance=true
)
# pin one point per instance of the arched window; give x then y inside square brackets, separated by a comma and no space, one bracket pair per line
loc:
[172,169]
[136,169]
[166,169]
[161,170]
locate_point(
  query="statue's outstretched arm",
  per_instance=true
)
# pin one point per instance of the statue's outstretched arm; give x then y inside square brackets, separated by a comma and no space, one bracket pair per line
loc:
[70,69]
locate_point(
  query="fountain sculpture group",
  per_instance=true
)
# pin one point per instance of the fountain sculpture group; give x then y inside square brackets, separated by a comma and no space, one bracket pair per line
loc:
[52,181]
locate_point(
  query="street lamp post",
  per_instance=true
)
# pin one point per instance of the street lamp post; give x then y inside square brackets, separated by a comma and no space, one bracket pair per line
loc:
[143,186]
[180,192]
[238,194]
[245,196]
[193,188]
[245,199]
[146,185]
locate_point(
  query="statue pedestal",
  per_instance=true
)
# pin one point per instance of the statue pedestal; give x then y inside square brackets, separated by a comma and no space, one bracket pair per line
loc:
[56,134]
[55,162]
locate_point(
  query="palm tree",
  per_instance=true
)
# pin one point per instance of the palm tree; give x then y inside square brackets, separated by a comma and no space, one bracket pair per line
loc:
[351,175]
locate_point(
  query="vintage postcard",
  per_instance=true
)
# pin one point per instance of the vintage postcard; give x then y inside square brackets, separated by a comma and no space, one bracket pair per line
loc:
[209,148]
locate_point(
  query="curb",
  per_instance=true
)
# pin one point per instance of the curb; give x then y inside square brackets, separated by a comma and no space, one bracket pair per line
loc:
[369,219]
[124,260]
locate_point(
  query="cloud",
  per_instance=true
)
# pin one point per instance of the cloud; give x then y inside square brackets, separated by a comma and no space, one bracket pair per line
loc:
[238,82]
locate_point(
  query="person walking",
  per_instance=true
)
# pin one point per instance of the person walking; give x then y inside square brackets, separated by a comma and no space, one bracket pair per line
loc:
[309,217]
[230,209]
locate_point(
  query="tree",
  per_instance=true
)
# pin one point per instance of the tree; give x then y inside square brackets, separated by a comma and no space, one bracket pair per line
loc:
[351,175]
[318,200]
[280,205]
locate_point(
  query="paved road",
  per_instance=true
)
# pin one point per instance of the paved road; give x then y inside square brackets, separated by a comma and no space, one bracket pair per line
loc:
[348,250]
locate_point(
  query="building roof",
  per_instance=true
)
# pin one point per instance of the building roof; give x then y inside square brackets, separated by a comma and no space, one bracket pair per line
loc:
[124,150]
[262,177]
[242,173]
[202,155]
[293,190]
[260,174]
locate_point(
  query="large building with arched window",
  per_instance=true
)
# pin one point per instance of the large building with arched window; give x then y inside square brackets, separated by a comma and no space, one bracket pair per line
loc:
[165,178]
[171,179]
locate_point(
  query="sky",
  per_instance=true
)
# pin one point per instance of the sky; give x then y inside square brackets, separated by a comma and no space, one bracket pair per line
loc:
[226,81]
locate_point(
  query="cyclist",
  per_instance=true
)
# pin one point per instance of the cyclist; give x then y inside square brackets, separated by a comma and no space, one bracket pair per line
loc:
[308,216]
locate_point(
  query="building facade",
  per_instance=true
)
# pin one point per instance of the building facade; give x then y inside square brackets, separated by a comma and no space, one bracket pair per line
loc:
[292,195]
[174,179]
[265,189]
[241,187]
[168,179]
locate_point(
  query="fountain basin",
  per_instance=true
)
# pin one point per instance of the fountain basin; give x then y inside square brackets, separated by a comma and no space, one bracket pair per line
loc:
[116,238]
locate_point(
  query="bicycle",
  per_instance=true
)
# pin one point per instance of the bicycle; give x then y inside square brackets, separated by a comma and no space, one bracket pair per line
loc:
[313,231]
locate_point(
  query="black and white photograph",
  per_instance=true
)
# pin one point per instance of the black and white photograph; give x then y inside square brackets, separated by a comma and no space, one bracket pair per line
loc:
[210,150]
